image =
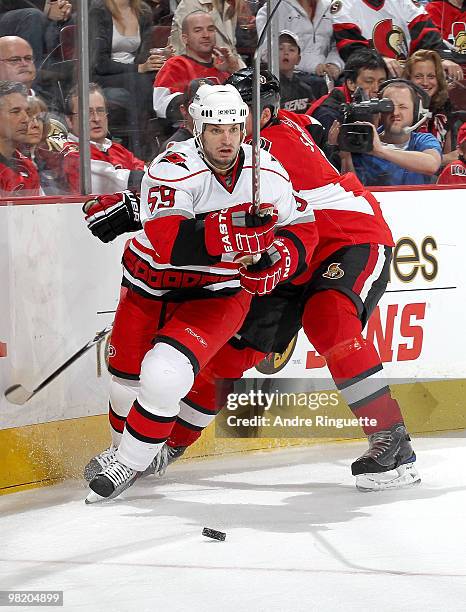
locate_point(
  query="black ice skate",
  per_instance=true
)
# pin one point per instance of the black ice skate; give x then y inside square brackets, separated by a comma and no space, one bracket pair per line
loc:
[111,481]
[99,463]
[388,450]
[165,456]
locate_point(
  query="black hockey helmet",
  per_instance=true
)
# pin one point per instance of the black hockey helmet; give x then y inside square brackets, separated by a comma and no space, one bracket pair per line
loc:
[269,88]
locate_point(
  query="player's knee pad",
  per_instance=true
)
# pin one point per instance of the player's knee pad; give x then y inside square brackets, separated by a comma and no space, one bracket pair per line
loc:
[330,318]
[122,395]
[166,376]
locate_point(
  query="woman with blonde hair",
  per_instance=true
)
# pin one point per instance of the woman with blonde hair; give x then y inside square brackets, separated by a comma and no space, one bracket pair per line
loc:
[44,153]
[119,35]
[424,68]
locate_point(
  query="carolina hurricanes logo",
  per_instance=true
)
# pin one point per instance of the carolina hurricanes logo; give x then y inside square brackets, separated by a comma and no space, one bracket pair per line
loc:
[333,271]
[175,158]
[389,40]
[458,30]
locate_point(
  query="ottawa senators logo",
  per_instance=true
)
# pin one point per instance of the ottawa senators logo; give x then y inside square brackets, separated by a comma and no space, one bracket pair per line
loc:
[335,7]
[274,362]
[175,158]
[334,271]
[390,40]
[458,31]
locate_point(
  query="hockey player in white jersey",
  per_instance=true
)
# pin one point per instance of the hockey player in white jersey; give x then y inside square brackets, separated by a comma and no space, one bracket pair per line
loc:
[183,292]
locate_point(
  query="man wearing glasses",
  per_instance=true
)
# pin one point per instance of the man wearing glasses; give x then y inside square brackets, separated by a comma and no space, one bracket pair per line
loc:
[113,167]
[17,61]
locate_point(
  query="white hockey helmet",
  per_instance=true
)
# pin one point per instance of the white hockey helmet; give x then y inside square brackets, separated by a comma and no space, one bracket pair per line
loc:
[217,104]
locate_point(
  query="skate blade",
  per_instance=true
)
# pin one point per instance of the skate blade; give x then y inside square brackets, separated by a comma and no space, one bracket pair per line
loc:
[407,476]
[94,497]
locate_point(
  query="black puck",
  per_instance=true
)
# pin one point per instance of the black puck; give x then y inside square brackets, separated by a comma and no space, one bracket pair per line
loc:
[212,533]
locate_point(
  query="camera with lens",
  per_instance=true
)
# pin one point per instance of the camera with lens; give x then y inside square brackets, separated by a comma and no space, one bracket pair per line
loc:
[354,137]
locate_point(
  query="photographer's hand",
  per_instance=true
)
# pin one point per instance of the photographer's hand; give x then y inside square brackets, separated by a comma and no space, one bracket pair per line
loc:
[334,131]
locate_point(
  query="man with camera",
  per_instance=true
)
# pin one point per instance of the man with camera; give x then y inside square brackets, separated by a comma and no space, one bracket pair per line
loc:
[398,155]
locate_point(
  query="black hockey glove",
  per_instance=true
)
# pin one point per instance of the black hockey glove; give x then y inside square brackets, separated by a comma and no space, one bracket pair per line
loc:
[109,216]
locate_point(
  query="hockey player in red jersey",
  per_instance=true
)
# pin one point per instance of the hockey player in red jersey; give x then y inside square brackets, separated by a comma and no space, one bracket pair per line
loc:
[347,277]
[396,28]
[184,297]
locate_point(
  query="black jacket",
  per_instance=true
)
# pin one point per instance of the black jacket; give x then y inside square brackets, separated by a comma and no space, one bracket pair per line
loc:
[101,35]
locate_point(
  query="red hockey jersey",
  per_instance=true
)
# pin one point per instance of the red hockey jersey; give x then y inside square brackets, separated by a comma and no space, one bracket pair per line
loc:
[451,21]
[453,174]
[111,167]
[345,212]
[18,176]
[175,76]
[396,28]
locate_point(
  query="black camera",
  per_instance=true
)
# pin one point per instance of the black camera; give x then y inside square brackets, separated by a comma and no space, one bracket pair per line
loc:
[354,137]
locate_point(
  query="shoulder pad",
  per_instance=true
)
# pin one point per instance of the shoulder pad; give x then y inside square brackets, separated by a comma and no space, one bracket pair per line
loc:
[178,162]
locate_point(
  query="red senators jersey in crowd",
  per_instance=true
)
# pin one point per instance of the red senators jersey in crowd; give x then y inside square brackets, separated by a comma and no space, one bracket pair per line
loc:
[111,167]
[18,176]
[178,190]
[396,28]
[345,212]
[451,21]
[453,174]
[176,74]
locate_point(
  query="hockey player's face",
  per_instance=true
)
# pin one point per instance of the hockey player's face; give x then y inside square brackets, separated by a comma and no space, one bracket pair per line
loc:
[221,144]
[369,80]
[13,118]
[424,75]
[402,115]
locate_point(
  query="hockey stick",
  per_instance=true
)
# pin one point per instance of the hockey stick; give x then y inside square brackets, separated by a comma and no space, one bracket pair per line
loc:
[256,128]
[256,113]
[17,394]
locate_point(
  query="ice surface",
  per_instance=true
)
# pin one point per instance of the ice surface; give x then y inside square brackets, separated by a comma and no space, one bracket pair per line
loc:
[299,537]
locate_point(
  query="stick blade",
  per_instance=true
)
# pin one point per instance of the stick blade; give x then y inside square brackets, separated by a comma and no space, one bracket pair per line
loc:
[17,394]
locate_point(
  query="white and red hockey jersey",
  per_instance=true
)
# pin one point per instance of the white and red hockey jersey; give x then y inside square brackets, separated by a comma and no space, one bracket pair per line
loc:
[169,256]
[176,74]
[113,167]
[346,213]
[396,28]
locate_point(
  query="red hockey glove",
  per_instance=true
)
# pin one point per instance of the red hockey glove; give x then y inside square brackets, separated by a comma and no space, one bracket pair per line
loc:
[109,216]
[239,230]
[276,265]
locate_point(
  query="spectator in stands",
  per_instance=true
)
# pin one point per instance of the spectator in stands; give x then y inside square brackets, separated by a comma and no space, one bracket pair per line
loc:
[400,155]
[199,61]
[113,168]
[44,154]
[119,35]
[37,21]
[424,68]
[17,61]
[296,91]
[396,29]
[366,70]
[311,21]
[455,172]
[224,14]
[18,174]
[450,18]
[161,12]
